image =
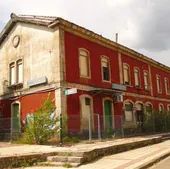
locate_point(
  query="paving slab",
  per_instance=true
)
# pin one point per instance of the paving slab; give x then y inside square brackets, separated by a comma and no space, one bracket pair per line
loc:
[134,159]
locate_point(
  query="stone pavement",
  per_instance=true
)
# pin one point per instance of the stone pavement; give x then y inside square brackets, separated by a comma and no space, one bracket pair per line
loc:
[133,159]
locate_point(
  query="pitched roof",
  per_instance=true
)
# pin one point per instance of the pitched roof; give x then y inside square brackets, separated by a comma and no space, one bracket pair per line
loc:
[50,21]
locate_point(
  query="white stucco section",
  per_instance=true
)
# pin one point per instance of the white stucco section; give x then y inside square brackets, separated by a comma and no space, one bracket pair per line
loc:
[39,50]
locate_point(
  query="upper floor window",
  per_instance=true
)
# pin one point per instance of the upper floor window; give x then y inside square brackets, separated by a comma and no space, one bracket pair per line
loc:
[167,86]
[146,80]
[19,71]
[126,73]
[161,107]
[16,72]
[12,73]
[158,82]
[105,68]
[137,77]
[84,63]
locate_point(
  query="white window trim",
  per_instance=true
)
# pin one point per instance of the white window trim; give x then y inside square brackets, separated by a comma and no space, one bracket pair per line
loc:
[149,84]
[166,91]
[125,64]
[136,68]
[160,104]
[89,66]
[103,56]
[158,76]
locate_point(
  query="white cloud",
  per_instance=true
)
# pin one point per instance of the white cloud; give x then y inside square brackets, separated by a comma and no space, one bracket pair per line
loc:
[142,25]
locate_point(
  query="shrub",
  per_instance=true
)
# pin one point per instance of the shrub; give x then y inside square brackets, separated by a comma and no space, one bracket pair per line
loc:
[41,125]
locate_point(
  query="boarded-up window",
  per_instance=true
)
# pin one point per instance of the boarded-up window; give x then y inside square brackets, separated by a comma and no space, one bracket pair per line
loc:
[167,86]
[84,63]
[158,82]
[105,69]
[128,112]
[12,73]
[137,77]
[19,71]
[126,73]
[146,80]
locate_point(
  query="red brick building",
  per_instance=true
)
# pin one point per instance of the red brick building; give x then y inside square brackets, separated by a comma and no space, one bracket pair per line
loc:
[111,79]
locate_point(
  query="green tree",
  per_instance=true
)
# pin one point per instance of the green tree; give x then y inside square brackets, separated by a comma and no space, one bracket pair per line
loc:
[41,125]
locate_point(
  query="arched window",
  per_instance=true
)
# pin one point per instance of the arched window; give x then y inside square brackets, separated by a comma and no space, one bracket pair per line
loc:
[84,63]
[105,68]
[168,107]
[146,80]
[167,86]
[148,108]
[137,77]
[161,107]
[126,74]
[158,82]
[128,112]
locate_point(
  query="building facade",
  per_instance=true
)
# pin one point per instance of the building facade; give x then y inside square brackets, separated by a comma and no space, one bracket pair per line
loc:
[39,55]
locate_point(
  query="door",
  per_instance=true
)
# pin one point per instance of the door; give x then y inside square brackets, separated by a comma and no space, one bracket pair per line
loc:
[15,118]
[108,116]
[86,110]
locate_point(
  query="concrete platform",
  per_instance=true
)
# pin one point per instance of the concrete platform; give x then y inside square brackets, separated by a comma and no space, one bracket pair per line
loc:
[88,151]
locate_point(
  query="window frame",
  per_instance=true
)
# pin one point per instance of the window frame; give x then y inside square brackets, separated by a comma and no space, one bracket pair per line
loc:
[168,108]
[167,89]
[15,65]
[12,65]
[132,111]
[160,87]
[88,62]
[19,62]
[160,104]
[105,57]
[149,87]
[129,74]
[138,74]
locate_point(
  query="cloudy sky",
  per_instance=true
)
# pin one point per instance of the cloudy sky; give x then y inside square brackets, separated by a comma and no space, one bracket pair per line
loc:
[142,25]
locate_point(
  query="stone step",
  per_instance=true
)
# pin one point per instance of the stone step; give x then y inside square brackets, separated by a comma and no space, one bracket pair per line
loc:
[69,159]
[59,164]
[74,153]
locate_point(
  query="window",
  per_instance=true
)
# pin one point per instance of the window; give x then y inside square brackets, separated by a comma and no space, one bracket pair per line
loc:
[158,82]
[161,108]
[167,86]
[105,69]
[146,80]
[12,73]
[137,77]
[19,71]
[128,112]
[126,73]
[148,108]
[84,63]
[16,72]
[87,101]
[168,108]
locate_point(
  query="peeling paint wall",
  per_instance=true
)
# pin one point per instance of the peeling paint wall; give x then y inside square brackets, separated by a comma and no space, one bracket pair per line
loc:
[39,49]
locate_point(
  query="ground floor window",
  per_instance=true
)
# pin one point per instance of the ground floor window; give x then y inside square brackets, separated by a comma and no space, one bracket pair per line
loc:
[128,112]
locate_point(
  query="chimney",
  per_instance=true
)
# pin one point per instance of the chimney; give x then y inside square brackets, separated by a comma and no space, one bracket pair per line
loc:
[116,37]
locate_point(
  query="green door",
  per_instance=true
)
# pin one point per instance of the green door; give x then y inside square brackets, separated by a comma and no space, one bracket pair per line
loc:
[108,116]
[15,118]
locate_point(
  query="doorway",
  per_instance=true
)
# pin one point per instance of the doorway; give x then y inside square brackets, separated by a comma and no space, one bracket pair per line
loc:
[108,116]
[15,115]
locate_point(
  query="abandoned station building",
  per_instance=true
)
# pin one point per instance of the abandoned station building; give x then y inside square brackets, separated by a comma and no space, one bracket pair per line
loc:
[41,54]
